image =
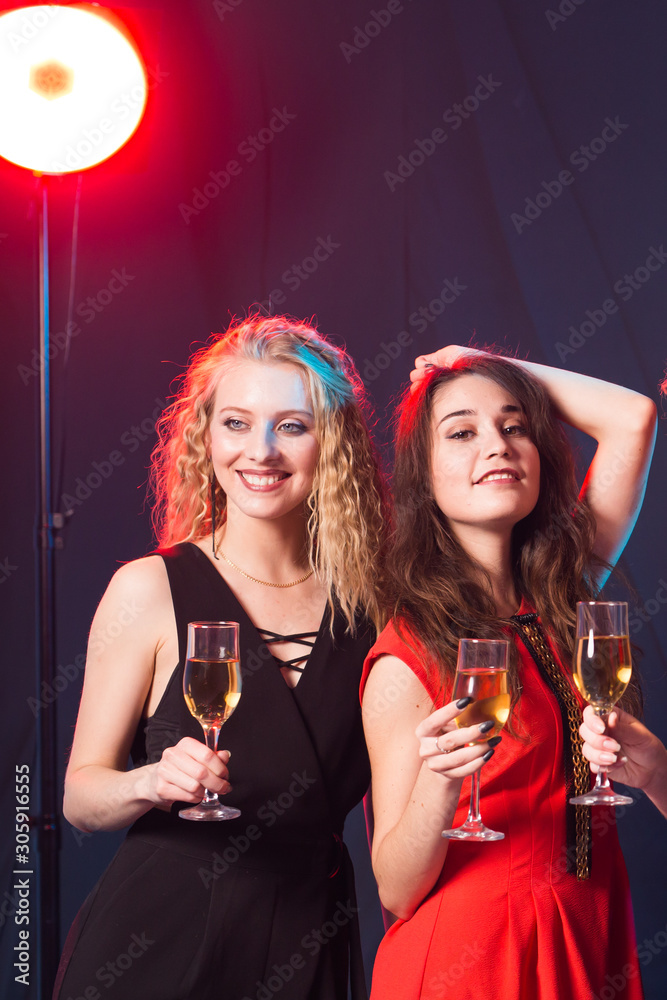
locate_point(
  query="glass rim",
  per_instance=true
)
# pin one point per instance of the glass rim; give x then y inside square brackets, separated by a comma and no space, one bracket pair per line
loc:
[213,625]
[605,604]
[481,642]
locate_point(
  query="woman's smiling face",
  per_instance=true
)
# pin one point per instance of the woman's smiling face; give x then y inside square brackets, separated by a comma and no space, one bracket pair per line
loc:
[485,467]
[262,439]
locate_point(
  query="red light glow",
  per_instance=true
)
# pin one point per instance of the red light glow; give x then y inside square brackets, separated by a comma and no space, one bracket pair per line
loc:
[72,88]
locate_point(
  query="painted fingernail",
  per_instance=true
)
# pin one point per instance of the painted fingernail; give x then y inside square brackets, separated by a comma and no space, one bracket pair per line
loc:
[607,758]
[612,745]
[485,726]
[488,755]
[494,741]
[463,702]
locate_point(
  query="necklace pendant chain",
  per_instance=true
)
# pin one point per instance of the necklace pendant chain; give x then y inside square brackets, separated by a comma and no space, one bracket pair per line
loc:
[265,583]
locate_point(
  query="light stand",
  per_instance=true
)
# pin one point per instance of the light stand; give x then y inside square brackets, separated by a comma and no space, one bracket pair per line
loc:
[62,70]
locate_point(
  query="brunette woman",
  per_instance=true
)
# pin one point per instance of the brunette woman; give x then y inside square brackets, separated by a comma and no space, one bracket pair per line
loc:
[493,541]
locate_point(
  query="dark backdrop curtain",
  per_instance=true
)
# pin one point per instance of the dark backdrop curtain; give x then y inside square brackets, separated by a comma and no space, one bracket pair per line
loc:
[412,174]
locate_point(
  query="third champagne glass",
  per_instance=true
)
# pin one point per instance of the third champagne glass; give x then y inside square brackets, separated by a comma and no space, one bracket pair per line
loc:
[212,688]
[602,670]
[481,673]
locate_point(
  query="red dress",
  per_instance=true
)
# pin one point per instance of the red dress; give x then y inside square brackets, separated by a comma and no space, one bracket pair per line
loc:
[506,920]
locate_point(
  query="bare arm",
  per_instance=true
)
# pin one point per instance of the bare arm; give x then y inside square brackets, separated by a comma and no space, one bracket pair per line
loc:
[132,625]
[415,786]
[629,751]
[623,423]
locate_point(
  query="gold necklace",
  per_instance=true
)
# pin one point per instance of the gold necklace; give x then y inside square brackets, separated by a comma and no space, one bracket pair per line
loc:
[264,583]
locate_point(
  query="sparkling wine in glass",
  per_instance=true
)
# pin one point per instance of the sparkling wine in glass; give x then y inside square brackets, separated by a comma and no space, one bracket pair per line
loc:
[212,689]
[481,673]
[602,671]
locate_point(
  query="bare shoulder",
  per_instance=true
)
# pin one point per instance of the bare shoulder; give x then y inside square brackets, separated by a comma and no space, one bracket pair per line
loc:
[137,601]
[394,703]
[394,697]
[133,622]
[147,575]
[142,581]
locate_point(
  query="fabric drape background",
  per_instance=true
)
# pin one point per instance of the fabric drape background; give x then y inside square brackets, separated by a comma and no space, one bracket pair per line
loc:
[412,173]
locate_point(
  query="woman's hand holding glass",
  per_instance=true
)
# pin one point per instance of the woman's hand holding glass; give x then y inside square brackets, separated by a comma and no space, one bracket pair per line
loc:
[481,684]
[452,752]
[602,670]
[186,770]
[627,751]
[481,679]
[212,689]
[604,750]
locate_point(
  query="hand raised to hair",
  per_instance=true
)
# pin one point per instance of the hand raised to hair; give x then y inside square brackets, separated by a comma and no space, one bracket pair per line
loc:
[443,358]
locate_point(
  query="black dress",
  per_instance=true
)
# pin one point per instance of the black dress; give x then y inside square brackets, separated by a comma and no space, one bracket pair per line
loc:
[261,906]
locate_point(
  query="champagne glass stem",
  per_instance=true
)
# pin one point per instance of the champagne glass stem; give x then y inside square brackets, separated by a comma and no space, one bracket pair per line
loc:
[211,734]
[473,811]
[601,778]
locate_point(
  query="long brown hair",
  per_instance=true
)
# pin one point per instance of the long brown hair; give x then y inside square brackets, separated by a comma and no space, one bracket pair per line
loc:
[437,592]
[347,512]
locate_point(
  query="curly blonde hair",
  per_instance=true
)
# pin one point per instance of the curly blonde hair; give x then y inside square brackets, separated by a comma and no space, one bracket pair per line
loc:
[348,516]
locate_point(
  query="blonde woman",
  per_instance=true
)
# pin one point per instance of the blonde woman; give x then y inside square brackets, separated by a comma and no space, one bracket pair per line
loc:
[270,513]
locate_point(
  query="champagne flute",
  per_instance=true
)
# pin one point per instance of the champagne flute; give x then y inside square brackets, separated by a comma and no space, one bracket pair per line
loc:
[602,670]
[212,688]
[481,673]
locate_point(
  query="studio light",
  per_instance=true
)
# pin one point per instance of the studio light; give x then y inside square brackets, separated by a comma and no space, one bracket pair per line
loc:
[72,87]
[73,90]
